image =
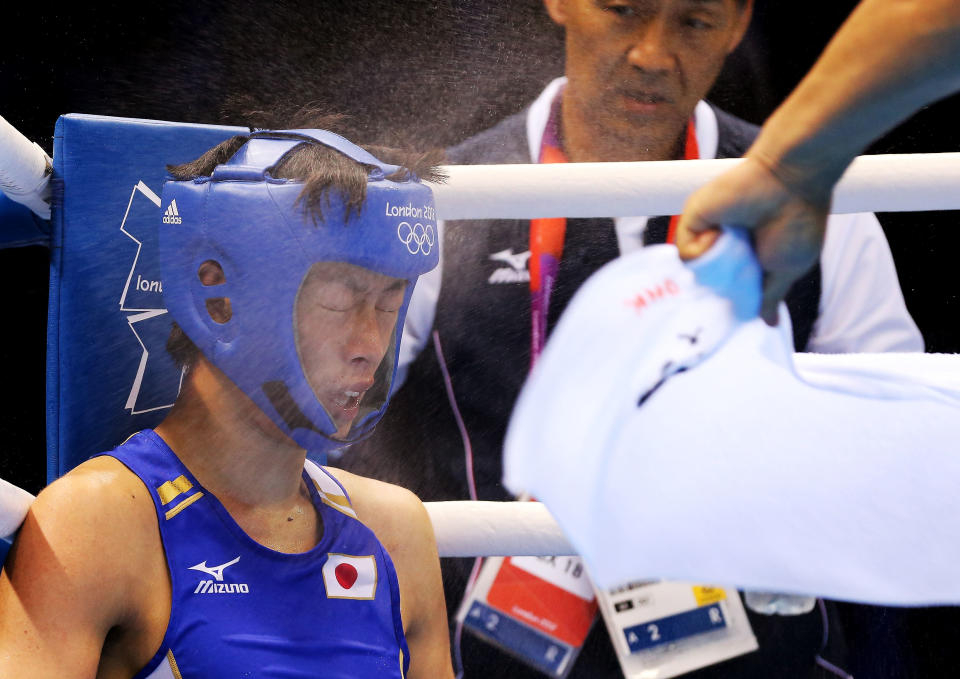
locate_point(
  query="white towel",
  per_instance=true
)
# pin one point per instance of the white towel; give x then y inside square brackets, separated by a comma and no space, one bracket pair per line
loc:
[828,475]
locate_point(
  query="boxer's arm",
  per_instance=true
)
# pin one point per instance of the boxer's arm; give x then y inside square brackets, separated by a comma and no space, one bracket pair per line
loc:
[889,58]
[401,523]
[415,556]
[63,586]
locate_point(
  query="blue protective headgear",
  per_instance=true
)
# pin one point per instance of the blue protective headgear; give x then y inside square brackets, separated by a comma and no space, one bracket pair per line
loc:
[251,224]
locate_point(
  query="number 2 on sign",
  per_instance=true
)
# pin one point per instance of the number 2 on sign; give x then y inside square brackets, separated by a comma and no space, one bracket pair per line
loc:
[492,620]
[654,632]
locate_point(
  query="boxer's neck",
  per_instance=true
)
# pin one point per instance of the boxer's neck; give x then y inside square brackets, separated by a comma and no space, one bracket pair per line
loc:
[229,444]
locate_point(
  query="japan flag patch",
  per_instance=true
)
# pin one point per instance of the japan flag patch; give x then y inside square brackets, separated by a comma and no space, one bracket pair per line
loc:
[350,577]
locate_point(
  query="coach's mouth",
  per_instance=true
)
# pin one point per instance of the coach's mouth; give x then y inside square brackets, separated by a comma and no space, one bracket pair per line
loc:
[644,101]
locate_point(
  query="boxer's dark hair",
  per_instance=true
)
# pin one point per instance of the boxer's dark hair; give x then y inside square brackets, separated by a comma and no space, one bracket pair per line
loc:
[322,170]
[181,348]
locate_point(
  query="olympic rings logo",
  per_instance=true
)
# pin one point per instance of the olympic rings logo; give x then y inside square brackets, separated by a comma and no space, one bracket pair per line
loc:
[417,238]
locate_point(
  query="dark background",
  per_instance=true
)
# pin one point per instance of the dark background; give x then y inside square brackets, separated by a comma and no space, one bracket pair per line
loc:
[421,72]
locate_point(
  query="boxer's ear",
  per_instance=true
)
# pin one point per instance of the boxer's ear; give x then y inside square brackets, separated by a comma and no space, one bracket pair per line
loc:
[557,9]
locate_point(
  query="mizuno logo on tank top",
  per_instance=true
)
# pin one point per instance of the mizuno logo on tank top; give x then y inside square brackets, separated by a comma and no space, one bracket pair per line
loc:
[215,571]
[218,586]
[211,587]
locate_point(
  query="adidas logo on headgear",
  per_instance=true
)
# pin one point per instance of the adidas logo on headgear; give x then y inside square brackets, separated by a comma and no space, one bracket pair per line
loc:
[172,216]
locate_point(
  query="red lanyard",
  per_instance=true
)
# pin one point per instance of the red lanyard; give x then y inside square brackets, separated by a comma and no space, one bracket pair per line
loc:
[546,249]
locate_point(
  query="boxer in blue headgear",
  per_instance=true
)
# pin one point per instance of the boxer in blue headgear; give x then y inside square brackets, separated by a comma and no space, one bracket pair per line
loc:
[211,547]
[256,226]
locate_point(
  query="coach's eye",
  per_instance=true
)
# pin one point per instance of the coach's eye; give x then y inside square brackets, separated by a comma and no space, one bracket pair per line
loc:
[697,23]
[623,11]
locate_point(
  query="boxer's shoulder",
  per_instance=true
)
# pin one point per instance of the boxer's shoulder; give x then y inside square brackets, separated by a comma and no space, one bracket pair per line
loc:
[87,559]
[97,524]
[393,513]
[100,490]
[400,522]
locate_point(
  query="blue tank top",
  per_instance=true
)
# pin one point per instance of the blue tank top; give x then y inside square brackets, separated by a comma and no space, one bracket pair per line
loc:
[240,609]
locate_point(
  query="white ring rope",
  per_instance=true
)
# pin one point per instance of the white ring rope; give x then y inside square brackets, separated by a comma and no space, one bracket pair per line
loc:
[24,170]
[462,528]
[887,183]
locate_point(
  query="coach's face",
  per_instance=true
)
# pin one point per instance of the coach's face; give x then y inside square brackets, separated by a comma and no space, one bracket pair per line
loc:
[637,68]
